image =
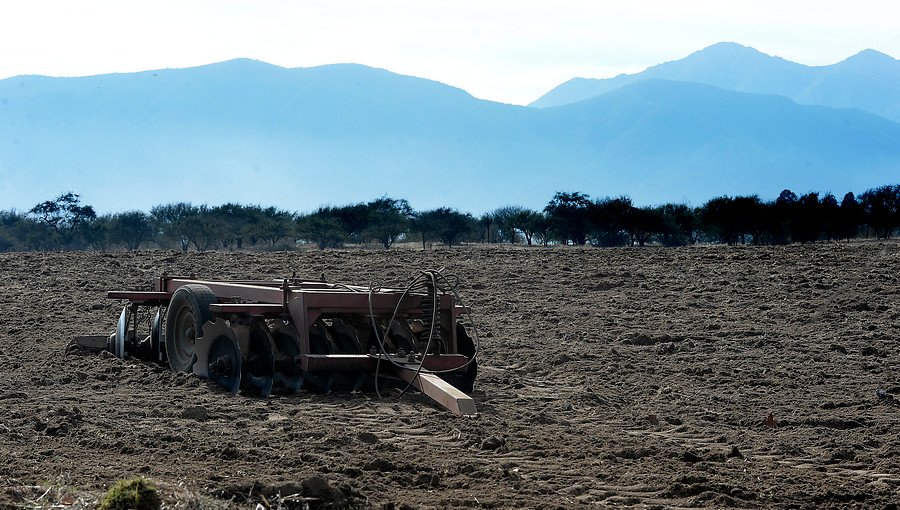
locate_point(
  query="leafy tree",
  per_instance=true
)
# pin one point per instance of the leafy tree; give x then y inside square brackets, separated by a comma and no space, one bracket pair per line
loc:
[720,219]
[446,224]
[97,232]
[353,219]
[784,216]
[172,221]
[608,220]
[831,212]
[232,220]
[22,232]
[882,210]
[568,215]
[488,227]
[533,224]
[851,216]
[642,223]
[131,228]
[322,227]
[509,220]
[732,220]
[270,226]
[806,222]
[204,228]
[64,215]
[389,219]
[424,225]
[680,225]
[10,222]
[540,225]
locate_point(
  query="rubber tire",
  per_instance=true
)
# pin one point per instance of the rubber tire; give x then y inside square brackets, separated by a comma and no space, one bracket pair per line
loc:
[196,299]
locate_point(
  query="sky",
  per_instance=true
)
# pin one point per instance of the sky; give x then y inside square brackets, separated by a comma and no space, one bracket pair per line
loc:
[511,51]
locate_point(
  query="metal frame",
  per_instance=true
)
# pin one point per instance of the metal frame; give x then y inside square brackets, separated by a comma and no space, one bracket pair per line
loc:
[304,302]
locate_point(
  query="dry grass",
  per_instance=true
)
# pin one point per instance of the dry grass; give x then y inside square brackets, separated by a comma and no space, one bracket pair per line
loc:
[62,495]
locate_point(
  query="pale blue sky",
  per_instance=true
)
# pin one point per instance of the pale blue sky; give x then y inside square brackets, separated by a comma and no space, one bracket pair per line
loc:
[510,51]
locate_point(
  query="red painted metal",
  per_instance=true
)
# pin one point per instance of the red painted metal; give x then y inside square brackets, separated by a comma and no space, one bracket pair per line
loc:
[368,362]
[141,297]
[308,301]
[264,309]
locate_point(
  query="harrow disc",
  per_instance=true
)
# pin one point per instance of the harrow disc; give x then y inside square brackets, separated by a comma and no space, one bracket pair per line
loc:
[464,379]
[320,342]
[157,351]
[287,376]
[118,339]
[218,356]
[347,342]
[258,354]
[402,336]
[187,313]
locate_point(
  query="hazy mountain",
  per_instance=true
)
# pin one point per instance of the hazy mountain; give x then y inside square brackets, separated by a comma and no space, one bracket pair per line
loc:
[255,133]
[869,80]
[669,137]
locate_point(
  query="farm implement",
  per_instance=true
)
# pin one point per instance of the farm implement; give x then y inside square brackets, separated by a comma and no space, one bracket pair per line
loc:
[280,336]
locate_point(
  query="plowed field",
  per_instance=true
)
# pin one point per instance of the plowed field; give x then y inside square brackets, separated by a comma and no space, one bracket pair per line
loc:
[759,377]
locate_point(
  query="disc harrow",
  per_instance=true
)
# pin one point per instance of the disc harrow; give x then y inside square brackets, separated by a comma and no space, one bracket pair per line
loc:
[284,336]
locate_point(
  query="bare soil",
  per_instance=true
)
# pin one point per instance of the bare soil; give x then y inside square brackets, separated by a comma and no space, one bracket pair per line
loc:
[762,377]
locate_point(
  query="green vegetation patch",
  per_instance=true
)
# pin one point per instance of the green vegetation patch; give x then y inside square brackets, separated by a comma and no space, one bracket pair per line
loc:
[135,493]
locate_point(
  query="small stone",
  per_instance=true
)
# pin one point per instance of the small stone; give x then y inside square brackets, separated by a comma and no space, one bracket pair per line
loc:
[838,348]
[689,456]
[735,453]
[428,480]
[869,351]
[667,348]
[197,413]
[493,443]
[316,487]
[367,437]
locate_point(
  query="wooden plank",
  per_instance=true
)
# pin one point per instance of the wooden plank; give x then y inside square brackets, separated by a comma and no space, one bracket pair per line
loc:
[441,392]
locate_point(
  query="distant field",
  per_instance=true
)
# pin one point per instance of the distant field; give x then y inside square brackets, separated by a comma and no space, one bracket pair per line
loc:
[653,378]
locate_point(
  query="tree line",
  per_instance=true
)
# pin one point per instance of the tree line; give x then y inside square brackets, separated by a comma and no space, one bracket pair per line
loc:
[570,218]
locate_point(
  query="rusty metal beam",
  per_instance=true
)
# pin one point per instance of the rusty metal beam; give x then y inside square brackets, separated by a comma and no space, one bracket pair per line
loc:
[141,297]
[265,309]
[367,362]
[256,293]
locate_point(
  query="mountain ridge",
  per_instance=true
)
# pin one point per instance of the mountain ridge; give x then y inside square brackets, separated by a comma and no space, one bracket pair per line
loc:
[298,138]
[869,80]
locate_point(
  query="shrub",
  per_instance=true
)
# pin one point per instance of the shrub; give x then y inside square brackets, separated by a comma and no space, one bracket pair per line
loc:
[135,493]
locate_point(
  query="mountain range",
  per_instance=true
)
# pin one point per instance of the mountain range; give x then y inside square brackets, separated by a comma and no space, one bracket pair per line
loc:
[251,132]
[869,80]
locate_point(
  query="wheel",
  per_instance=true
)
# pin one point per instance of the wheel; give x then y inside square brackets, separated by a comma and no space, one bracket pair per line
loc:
[188,311]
